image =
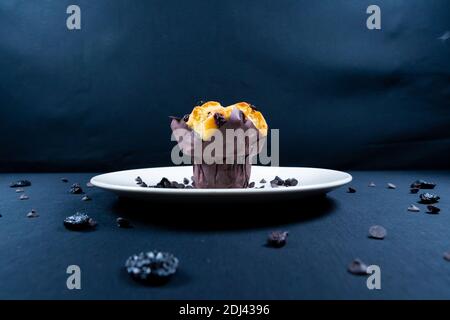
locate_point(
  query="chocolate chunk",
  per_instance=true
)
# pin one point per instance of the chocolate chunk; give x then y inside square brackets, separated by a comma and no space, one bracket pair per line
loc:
[123,223]
[79,221]
[428,198]
[24,197]
[277,239]
[414,190]
[377,232]
[357,267]
[433,209]
[76,189]
[64,180]
[290,182]
[251,185]
[413,208]
[276,182]
[32,214]
[391,186]
[20,184]
[152,267]
[422,184]
[351,190]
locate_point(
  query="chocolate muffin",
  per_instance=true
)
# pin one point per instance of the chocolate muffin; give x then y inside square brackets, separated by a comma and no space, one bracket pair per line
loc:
[222,142]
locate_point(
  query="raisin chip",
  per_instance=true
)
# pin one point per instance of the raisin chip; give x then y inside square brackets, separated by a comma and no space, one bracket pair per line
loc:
[152,267]
[421,184]
[79,221]
[357,267]
[377,232]
[123,223]
[391,186]
[413,208]
[20,184]
[32,214]
[428,198]
[414,190]
[76,189]
[433,209]
[277,239]
[290,182]
[351,190]
[251,185]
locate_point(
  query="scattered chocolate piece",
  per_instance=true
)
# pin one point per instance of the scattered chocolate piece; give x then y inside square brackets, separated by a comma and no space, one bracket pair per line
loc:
[290,182]
[79,221]
[372,184]
[24,197]
[123,223]
[20,184]
[421,184]
[447,255]
[413,208]
[277,239]
[414,190]
[19,190]
[143,185]
[86,198]
[377,232]
[251,185]
[138,180]
[152,267]
[164,183]
[64,180]
[351,190]
[32,214]
[262,181]
[357,267]
[89,185]
[276,182]
[433,209]
[186,181]
[391,186]
[428,198]
[76,189]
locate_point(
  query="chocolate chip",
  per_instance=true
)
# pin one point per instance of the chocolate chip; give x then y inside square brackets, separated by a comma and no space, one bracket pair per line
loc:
[76,189]
[351,190]
[262,181]
[377,232]
[251,185]
[20,184]
[428,198]
[79,221]
[186,181]
[413,208]
[372,184]
[24,197]
[86,198]
[433,209]
[138,180]
[391,186]
[64,180]
[290,182]
[123,223]
[32,214]
[357,267]
[422,184]
[219,119]
[152,267]
[277,181]
[277,239]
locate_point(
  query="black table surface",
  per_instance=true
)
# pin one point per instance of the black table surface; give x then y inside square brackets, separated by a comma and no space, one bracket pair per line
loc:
[223,254]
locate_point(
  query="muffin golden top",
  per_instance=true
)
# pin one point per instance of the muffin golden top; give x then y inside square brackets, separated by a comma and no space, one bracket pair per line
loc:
[202,118]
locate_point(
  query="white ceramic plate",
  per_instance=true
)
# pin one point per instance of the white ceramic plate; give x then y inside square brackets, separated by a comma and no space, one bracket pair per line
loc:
[311,181]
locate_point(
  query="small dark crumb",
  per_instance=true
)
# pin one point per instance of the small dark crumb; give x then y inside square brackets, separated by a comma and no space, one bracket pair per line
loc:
[357,267]
[89,185]
[262,181]
[251,185]
[123,223]
[86,198]
[290,182]
[186,181]
[152,267]
[428,198]
[447,255]
[433,209]
[32,214]
[277,239]
[64,180]
[377,232]
[18,190]
[391,186]
[79,221]
[24,197]
[20,184]
[422,184]
[414,190]
[76,189]
[372,184]
[351,190]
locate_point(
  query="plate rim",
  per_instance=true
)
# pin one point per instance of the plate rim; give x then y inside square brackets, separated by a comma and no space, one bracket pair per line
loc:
[298,188]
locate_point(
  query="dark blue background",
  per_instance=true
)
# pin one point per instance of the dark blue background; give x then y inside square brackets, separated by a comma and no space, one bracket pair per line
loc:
[343,96]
